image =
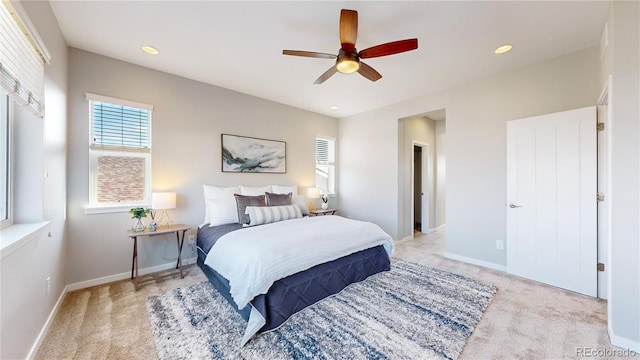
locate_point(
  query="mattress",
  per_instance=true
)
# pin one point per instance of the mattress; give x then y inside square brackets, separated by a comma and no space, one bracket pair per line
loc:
[295,292]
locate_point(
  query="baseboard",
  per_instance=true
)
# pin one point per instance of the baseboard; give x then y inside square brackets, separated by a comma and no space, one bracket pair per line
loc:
[126,275]
[624,343]
[429,231]
[436,229]
[47,324]
[475,261]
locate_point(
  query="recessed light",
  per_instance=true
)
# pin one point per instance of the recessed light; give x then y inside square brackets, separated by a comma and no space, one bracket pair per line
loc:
[503,49]
[150,50]
[333,107]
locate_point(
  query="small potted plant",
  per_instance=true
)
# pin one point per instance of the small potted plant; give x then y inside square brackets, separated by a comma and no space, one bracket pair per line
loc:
[138,213]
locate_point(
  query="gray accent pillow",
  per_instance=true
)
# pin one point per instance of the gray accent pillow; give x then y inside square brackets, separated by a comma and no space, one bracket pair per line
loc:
[242,201]
[278,199]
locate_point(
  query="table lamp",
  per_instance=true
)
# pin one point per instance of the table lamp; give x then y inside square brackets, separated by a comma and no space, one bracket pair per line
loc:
[313,194]
[163,201]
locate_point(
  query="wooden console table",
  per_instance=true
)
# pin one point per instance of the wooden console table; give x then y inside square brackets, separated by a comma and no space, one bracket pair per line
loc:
[161,231]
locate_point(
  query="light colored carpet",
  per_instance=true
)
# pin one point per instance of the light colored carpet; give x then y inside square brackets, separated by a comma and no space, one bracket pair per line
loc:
[410,312]
[525,320]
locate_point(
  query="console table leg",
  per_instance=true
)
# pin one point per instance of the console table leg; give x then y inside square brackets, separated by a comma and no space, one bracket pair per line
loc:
[180,243]
[135,254]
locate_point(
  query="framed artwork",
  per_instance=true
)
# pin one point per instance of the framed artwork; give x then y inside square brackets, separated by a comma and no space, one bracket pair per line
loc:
[253,155]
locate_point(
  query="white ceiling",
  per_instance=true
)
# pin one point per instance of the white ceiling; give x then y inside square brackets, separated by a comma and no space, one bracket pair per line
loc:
[238,45]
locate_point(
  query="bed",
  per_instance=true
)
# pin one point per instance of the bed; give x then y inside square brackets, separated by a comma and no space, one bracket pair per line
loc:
[270,272]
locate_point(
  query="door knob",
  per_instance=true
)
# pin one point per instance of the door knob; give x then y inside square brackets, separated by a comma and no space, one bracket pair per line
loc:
[513,206]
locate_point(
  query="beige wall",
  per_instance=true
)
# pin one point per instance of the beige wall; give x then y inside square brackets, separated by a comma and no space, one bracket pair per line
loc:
[476,115]
[188,119]
[25,305]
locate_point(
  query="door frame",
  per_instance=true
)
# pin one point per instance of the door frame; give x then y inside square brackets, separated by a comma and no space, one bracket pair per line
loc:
[605,99]
[425,187]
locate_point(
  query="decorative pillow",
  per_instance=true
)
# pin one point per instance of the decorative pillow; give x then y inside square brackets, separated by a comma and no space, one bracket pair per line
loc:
[284,189]
[243,201]
[278,199]
[220,205]
[254,191]
[265,215]
[301,201]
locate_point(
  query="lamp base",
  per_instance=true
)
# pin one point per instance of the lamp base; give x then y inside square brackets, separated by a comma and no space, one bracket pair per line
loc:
[164,220]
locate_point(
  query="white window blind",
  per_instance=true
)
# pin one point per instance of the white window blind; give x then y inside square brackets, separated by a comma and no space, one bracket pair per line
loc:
[21,61]
[117,125]
[322,150]
[325,150]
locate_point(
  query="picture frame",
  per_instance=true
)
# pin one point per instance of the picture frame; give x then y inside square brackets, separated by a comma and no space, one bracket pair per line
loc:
[253,155]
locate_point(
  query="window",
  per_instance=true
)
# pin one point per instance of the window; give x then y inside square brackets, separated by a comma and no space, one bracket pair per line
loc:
[5,156]
[120,152]
[325,164]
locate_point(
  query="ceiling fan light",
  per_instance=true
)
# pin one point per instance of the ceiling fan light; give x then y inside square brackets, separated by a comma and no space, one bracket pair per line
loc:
[348,64]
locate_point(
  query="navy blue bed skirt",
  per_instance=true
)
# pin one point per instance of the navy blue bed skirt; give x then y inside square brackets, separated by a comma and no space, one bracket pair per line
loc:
[295,292]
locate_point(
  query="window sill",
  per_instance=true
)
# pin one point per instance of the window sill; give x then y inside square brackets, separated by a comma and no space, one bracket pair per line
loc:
[92,210]
[17,235]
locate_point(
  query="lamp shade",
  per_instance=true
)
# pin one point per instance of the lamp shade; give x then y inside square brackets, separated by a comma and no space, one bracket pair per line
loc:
[313,193]
[163,200]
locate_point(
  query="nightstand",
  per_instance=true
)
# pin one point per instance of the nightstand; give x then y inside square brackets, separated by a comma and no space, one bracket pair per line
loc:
[161,231]
[322,212]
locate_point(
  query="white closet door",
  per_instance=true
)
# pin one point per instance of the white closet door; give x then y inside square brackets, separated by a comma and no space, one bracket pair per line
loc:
[551,194]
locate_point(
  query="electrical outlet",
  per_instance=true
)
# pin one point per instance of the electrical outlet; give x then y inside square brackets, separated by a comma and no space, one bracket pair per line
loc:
[191,239]
[499,244]
[48,285]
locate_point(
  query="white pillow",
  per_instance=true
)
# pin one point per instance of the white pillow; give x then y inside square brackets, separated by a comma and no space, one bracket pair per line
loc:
[284,189]
[301,202]
[220,205]
[254,191]
[268,214]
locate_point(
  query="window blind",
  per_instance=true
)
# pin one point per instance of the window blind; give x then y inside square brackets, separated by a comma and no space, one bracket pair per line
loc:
[119,125]
[324,151]
[21,66]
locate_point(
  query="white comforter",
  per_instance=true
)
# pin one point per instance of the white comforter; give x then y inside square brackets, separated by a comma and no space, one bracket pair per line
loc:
[252,259]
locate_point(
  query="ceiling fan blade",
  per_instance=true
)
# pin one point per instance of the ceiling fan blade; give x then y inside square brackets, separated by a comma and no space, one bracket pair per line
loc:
[391,48]
[348,29]
[312,54]
[369,72]
[327,74]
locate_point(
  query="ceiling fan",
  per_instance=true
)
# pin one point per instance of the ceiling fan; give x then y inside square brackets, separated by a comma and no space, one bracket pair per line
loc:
[348,58]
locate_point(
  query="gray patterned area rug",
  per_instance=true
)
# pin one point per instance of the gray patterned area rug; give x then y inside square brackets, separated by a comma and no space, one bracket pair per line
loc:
[410,312]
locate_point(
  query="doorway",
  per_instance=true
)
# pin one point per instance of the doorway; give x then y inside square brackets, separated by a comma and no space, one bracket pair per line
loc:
[420,187]
[421,166]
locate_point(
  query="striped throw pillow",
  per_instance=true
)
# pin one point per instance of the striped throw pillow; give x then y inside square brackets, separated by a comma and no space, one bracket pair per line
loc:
[259,215]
